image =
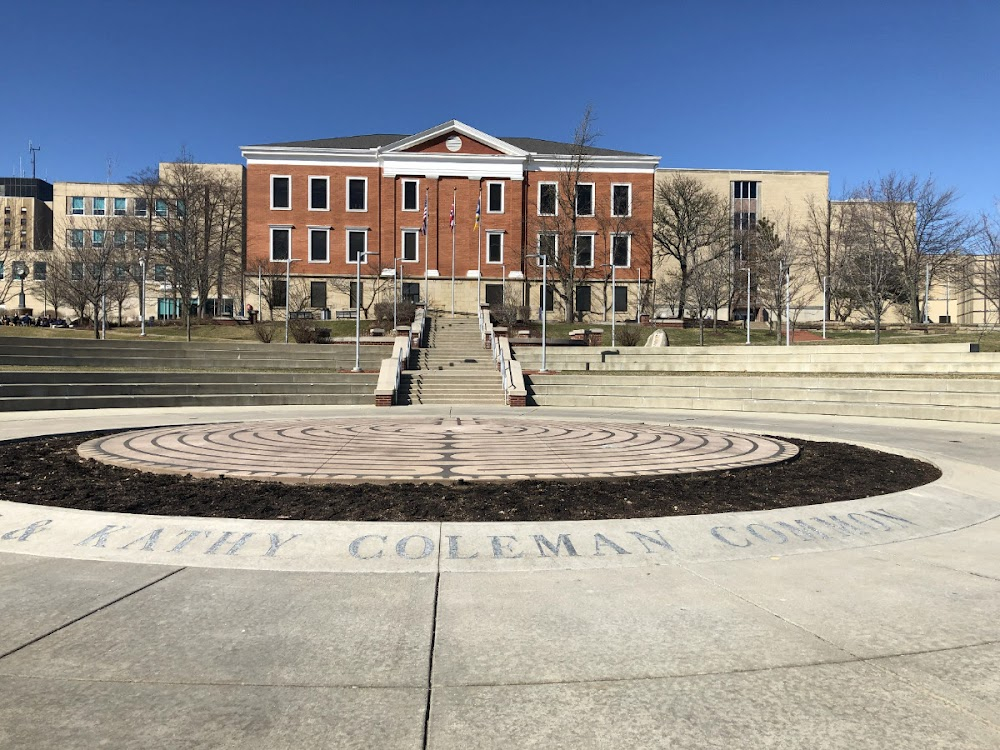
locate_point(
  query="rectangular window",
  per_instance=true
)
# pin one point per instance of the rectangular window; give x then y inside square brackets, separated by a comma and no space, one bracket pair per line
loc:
[353,294]
[97,238]
[549,297]
[319,245]
[319,193]
[120,206]
[317,294]
[161,208]
[39,270]
[99,206]
[620,245]
[585,199]
[494,197]
[548,245]
[76,238]
[121,271]
[76,271]
[621,200]
[141,206]
[745,189]
[582,298]
[159,272]
[120,238]
[494,247]
[744,220]
[411,245]
[494,294]
[621,298]
[161,239]
[281,192]
[76,205]
[584,251]
[357,194]
[411,291]
[357,245]
[141,242]
[181,208]
[279,293]
[281,243]
[410,190]
[548,193]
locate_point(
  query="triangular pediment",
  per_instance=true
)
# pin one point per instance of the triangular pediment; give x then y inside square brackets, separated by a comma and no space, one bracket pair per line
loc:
[454,137]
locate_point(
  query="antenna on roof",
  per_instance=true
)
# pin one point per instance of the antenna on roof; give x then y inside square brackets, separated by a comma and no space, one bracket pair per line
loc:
[32,150]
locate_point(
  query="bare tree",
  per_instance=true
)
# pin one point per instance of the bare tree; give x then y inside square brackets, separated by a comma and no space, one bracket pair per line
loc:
[708,286]
[982,267]
[567,257]
[782,276]
[691,225]
[825,245]
[926,229]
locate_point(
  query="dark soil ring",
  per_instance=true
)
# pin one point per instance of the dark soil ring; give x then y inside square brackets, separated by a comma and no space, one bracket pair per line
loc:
[48,471]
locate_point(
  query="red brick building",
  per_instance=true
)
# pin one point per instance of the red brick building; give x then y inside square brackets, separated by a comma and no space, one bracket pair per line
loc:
[325,203]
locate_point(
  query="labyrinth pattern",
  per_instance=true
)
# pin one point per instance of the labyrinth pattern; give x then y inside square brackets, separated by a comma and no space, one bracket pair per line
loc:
[431,449]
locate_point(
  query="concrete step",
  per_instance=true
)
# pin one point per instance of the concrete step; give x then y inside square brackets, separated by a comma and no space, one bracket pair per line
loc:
[171,401]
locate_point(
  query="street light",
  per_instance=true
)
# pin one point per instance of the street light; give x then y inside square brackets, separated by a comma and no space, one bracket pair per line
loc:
[544,263]
[748,305]
[142,297]
[362,255]
[613,300]
[288,289]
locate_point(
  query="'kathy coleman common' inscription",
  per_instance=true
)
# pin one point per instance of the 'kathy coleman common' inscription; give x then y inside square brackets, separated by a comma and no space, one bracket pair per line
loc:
[399,546]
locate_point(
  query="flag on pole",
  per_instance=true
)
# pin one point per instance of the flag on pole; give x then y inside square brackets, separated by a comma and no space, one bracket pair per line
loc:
[453,213]
[479,204]
[423,229]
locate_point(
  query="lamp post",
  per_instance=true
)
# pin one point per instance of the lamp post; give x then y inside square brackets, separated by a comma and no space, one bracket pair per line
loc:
[613,300]
[362,256]
[825,313]
[288,277]
[748,305]
[543,261]
[142,296]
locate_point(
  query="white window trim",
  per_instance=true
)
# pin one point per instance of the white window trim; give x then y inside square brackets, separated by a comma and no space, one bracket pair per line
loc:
[494,262]
[629,212]
[270,239]
[93,206]
[114,210]
[576,253]
[83,209]
[416,194]
[347,196]
[593,198]
[402,243]
[347,243]
[538,202]
[281,177]
[310,182]
[628,249]
[555,249]
[309,232]
[503,197]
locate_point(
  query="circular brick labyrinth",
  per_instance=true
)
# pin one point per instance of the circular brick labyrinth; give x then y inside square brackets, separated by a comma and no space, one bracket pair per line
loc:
[431,449]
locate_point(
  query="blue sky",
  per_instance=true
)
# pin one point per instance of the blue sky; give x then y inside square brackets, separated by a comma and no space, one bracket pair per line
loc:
[854,88]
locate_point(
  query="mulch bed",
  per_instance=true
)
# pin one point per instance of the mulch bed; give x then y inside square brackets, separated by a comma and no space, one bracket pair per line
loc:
[48,471]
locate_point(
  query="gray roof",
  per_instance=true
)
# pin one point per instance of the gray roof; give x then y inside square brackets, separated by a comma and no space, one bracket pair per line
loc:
[377,140]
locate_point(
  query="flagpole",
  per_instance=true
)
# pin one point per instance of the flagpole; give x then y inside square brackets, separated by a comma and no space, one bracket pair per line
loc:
[479,252]
[453,196]
[427,289]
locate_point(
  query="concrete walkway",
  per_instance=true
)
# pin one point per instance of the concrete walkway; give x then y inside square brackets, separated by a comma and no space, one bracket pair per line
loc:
[868,624]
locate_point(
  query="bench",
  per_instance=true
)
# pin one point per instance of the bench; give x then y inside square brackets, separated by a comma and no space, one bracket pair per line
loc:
[345,314]
[301,315]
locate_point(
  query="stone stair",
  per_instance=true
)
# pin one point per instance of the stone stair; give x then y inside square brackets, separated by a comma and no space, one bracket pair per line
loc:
[453,368]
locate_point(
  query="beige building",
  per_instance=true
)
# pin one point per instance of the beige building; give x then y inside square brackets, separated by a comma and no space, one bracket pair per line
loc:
[26,209]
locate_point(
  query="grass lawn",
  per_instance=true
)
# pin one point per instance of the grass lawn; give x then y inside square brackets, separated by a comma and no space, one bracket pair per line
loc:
[202,332]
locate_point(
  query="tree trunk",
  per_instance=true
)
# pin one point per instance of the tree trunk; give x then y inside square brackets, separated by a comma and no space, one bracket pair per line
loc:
[701,330]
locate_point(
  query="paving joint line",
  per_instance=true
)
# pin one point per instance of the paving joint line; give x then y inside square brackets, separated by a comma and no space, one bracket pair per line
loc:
[85,615]
[430,664]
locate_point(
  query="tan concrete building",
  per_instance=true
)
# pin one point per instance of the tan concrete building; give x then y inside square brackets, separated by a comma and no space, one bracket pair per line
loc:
[26,211]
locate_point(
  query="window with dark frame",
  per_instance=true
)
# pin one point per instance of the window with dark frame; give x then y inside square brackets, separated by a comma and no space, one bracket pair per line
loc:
[584,200]
[141,206]
[39,270]
[549,297]
[582,298]
[619,250]
[494,294]
[410,195]
[494,247]
[319,245]
[356,245]
[353,293]
[411,244]
[584,251]
[411,291]
[547,195]
[317,294]
[548,246]
[281,192]
[319,190]
[621,298]
[494,198]
[356,197]
[621,200]
[159,272]
[281,239]
[279,292]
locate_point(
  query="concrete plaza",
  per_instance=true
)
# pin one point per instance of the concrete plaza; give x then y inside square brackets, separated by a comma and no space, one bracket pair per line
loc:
[873,623]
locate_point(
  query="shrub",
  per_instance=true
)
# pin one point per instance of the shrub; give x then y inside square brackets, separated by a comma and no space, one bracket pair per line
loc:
[504,315]
[264,331]
[629,335]
[302,331]
[406,311]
